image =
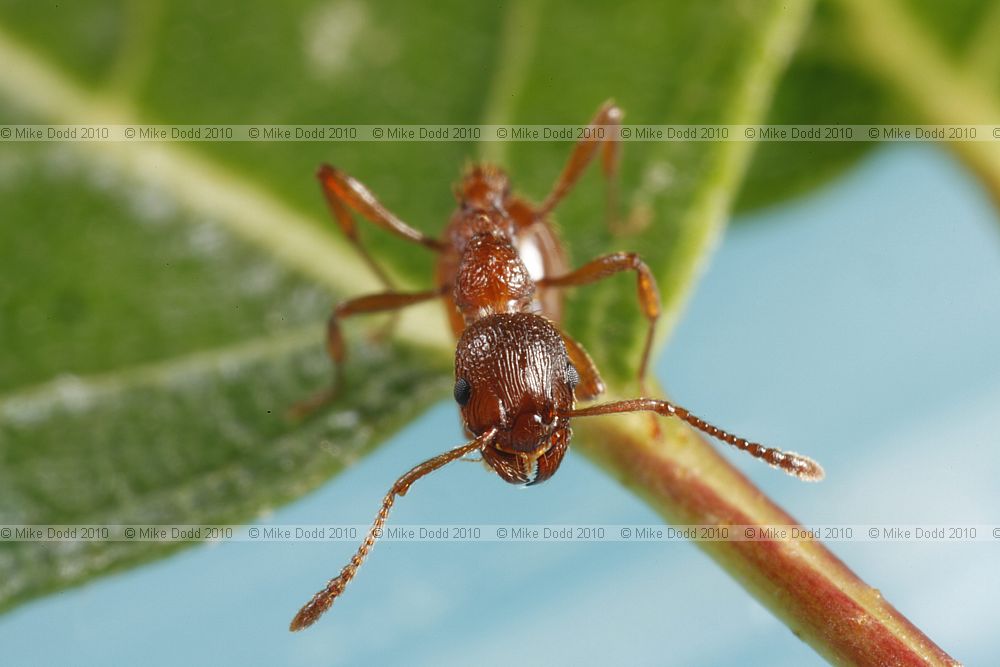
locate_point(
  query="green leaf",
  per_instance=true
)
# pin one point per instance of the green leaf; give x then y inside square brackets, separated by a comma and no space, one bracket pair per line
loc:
[821,86]
[162,304]
[898,62]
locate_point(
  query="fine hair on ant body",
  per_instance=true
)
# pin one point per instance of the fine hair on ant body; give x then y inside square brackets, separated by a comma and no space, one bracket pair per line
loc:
[517,375]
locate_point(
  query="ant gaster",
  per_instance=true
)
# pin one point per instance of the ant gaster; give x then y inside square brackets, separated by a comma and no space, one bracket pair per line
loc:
[517,375]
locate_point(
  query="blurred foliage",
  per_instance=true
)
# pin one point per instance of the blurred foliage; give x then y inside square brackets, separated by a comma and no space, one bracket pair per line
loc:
[834,80]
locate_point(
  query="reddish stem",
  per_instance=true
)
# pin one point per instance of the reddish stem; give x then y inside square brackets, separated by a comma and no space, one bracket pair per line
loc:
[820,599]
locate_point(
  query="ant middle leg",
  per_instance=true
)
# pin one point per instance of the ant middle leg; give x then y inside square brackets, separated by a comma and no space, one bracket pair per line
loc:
[335,347]
[583,154]
[607,266]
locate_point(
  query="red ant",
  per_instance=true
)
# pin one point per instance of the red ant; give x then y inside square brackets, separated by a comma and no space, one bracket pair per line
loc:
[517,376]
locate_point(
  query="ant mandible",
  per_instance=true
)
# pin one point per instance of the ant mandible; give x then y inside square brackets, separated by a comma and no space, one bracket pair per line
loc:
[517,375]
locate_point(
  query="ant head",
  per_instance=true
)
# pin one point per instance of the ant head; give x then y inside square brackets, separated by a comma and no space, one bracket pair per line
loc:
[512,372]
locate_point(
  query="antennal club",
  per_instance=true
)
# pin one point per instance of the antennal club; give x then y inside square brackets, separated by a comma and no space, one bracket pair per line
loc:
[800,466]
[322,601]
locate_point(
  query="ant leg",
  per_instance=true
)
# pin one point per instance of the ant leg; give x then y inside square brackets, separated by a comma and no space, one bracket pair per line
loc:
[800,466]
[345,193]
[322,601]
[372,303]
[591,385]
[608,115]
[606,266]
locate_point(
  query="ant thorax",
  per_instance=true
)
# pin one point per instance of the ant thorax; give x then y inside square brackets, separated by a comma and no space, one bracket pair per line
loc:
[491,279]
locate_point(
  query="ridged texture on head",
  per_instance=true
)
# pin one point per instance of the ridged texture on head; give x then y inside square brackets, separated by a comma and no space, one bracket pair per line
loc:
[516,366]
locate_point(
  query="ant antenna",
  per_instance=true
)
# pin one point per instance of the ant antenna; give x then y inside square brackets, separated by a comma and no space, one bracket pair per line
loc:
[800,466]
[322,601]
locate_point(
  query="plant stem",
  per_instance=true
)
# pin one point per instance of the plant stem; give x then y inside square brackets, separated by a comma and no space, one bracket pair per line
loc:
[819,598]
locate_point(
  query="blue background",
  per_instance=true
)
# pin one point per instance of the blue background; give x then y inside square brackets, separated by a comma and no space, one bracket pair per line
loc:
[859,325]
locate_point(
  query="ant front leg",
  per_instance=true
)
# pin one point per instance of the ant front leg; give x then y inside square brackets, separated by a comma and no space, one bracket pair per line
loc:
[345,193]
[372,303]
[609,265]
[595,136]
[590,385]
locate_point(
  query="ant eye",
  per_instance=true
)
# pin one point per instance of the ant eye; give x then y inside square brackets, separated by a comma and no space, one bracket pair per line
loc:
[572,376]
[463,390]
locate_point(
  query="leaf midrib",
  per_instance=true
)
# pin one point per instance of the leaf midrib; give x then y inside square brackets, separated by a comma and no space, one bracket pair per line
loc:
[53,393]
[206,188]
[202,185]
